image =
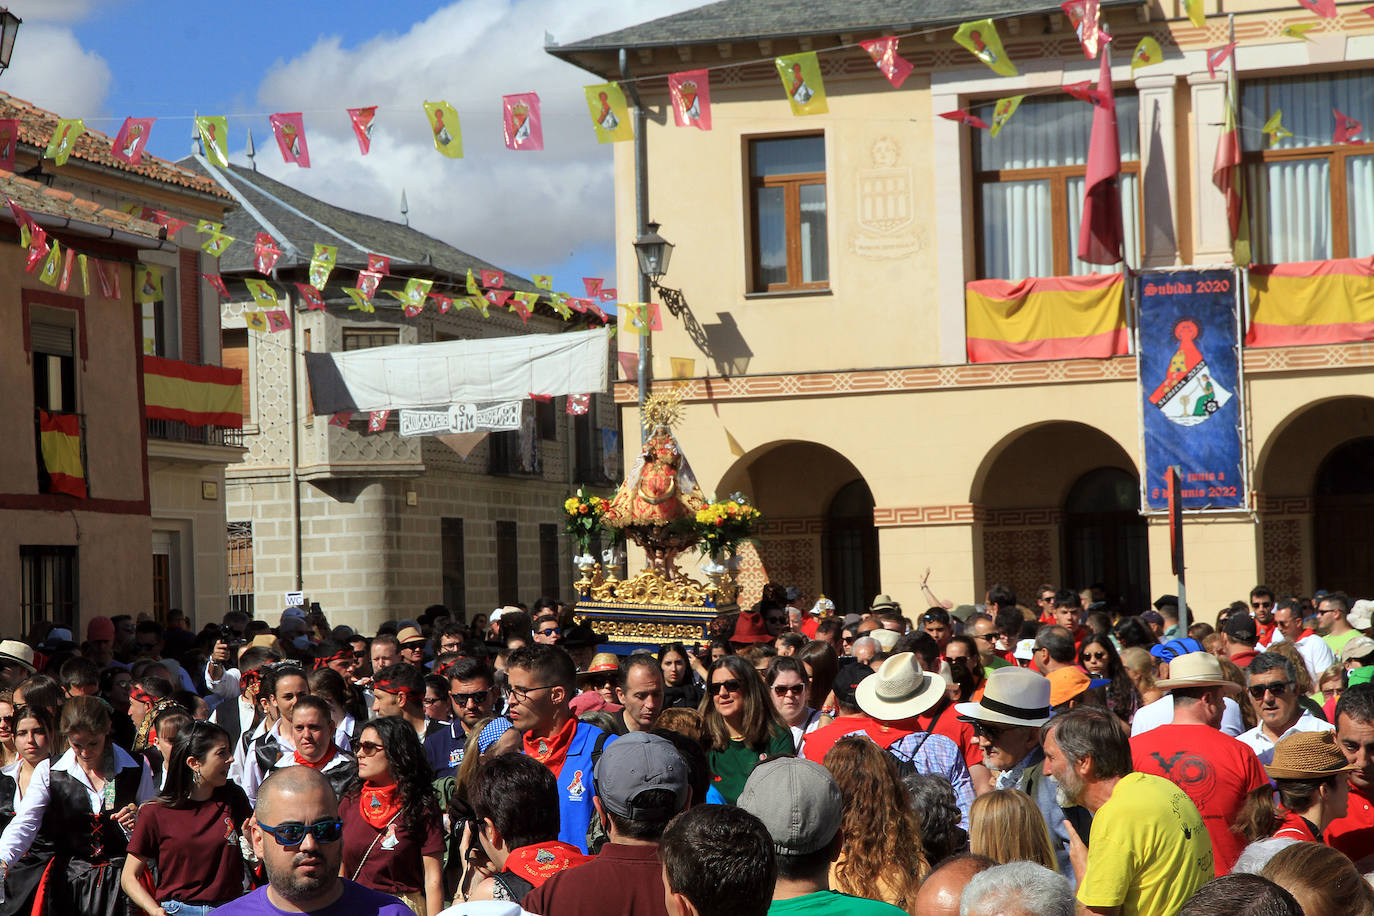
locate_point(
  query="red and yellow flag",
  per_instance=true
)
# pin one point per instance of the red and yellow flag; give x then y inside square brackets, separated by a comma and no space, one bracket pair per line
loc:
[195,395]
[1046,318]
[1311,302]
[60,443]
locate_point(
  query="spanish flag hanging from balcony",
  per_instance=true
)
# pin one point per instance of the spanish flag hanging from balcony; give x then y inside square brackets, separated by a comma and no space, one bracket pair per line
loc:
[1311,302]
[195,395]
[59,441]
[1046,318]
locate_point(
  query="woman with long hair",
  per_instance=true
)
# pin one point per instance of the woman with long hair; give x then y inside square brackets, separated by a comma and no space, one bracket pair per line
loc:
[822,664]
[881,857]
[35,740]
[392,829]
[190,831]
[681,687]
[788,688]
[741,727]
[85,804]
[1099,658]
[1140,668]
[1006,826]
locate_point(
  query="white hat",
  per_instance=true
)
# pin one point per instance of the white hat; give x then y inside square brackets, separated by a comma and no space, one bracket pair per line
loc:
[885,638]
[21,653]
[1196,669]
[1013,696]
[899,689]
[1361,615]
[1025,649]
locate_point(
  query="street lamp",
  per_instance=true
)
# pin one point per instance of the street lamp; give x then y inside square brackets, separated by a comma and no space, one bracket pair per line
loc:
[9,28]
[654,252]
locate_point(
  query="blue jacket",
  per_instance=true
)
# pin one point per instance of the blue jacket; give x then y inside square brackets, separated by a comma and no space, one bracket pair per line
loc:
[575,790]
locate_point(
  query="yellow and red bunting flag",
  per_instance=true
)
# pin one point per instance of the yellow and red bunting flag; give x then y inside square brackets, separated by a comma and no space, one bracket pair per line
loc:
[682,366]
[265,253]
[578,404]
[67,265]
[608,294]
[9,142]
[214,138]
[690,93]
[981,39]
[341,418]
[191,394]
[1147,53]
[132,140]
[362,301]
[63,140]
[1345,131]
[1083,17]
[443,126]
[543,281]
[165,220]
[1274,129]
[1217,56]
[413,296]
[59,442]
[610,113]
[801,80]
[217,244]
[310,297]
[1311,302]
[559,301]
[255,321]
[1003,110]
[379,264]
[444,303]
[278,320]
[1299,30]
[1046,318]
[38,249]
[641,317]
[480,303]
[262,292]
[890,64]
[498,297]
[493,279]
[362,120]
[1197,12]
[147,284]
[289,129]
[629,363]
[521,124]
[107,277]
[368,281]
[524,305]
[593,285]
[473,289]
[83,267]
[322,264]
[376,420]
[1326,9]
[217,282]
[51,271]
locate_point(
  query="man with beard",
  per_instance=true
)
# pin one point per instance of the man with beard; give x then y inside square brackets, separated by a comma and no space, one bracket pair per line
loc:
[1354,833]
[472,693]
[296,833]
[1007,721]
[1262,609]
[1150,849]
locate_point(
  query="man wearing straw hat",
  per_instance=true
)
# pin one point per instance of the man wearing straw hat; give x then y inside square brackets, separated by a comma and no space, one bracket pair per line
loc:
[1215,770]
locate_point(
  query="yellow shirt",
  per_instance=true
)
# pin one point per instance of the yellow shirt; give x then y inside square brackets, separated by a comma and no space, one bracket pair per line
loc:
[1149,850]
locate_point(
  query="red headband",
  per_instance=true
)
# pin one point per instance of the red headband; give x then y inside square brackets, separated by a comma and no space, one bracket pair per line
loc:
[405,693]
[342,655]
[143,696]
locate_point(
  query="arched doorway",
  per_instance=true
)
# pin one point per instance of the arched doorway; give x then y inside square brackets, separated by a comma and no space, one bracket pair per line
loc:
[850,547]
[1105,538]
[1343,519]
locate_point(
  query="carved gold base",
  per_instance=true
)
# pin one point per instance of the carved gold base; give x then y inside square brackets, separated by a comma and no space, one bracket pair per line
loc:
[653,588]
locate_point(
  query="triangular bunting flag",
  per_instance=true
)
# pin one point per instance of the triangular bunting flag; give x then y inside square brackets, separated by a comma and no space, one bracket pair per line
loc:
[1347,129]
[379,263]
[362,302]
[63,140]
[1217,56]
[341,418]
[363,119]
[214,139]
[1299,30]
[265,253]
[376,420]
[278,320]
[1274,129]
[1003,110]
[368,281]
[310,297]
[262,292]
[963,117]
[217,282]
[980,37]
[578,404]
[290,133]
[890,64]
[1147,53]
[255,321]
[493,279]
[322,264]
[52,266]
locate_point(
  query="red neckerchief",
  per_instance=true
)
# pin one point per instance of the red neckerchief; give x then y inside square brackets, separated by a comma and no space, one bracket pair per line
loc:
[538,862]
[1266,631]
[318,764]
[553,750]
[378,804]
[1303,635]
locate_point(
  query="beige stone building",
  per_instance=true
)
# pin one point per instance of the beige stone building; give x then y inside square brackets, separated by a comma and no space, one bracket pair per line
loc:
[372,525]
[822,263]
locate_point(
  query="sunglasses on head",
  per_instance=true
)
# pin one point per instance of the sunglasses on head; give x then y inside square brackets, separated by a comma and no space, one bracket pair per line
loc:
[326,830]
[783,690]
[730,686]
[1278,689]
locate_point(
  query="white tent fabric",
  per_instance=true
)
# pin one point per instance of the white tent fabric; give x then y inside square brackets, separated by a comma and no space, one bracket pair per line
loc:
[459,371]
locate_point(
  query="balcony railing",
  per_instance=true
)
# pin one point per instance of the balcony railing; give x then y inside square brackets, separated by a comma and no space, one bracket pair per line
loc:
[176,431]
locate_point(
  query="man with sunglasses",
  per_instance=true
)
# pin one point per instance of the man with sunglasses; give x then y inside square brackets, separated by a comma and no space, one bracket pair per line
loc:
[295,831]
[1291,627]
[1273,692]
[1262,609]
[547,629]
[472,694]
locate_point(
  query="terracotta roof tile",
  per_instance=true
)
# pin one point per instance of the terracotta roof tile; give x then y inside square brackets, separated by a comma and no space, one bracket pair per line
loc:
[39,200]
[36,126]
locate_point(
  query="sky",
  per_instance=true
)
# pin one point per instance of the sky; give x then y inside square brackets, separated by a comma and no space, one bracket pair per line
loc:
[530,212]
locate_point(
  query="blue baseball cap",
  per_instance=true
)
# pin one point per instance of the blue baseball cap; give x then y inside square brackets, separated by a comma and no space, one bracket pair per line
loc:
[1176,647]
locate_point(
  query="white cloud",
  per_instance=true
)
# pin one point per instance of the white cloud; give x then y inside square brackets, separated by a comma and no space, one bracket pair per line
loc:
[53,10]
[528,211]
[51,69]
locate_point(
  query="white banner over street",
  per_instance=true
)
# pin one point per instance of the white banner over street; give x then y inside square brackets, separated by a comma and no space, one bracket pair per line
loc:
[461,418]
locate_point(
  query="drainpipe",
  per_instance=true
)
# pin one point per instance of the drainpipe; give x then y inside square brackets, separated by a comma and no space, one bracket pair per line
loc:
[641,222]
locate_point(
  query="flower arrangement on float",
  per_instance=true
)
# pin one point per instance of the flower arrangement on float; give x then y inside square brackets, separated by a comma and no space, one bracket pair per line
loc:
[584,513]
[722,526]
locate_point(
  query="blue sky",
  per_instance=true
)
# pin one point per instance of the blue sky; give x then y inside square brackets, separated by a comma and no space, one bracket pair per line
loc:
[531,212]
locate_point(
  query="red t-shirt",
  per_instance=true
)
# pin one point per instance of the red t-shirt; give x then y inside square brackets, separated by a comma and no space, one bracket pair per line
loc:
[1215,770]
[394,866]
[823,739]
[1295,827]
[1354,833]
[196,848]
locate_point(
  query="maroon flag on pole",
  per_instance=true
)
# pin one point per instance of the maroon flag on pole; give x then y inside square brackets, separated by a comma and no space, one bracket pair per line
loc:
[1099,240]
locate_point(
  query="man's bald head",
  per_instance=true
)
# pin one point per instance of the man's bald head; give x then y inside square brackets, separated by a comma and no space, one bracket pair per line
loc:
[285,789]
[940,892]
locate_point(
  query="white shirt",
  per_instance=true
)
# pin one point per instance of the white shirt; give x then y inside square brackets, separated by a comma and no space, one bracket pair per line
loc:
[28,813]
[243,749]
[1314,651]
[252,772]
[1161,712]
[1259,741]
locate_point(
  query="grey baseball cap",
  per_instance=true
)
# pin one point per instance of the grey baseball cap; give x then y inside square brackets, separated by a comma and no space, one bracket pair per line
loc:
[797,800]
[635,763]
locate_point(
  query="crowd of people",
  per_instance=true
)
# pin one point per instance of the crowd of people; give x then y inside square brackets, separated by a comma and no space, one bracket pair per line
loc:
[1055,757]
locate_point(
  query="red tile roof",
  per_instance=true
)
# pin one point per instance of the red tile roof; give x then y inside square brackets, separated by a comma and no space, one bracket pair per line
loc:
[36,126]
[37,198]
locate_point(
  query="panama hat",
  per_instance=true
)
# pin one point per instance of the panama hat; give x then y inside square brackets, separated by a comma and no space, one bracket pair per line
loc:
[1196,669]
[1358,647]
[1012,696]
[885,638]
[883,603]
[1308,755]
[899,689]
[1361,614]
[20,653]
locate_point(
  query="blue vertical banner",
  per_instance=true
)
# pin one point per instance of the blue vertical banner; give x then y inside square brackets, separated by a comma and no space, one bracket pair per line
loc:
[1191,391]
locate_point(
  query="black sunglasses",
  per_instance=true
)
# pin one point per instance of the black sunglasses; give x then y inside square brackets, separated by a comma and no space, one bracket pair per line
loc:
[783,690]
[731,686]
[327,830]
[1278,689]
[477,696]
[983,729]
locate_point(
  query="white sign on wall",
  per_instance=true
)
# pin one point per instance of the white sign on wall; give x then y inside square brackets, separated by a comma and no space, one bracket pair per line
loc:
[461,418]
